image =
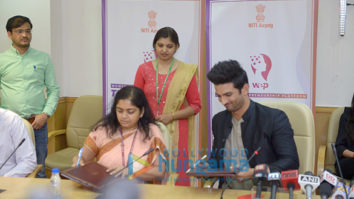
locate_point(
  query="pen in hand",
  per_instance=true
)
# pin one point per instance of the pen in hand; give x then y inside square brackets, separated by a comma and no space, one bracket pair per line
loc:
[197,162]
[79,158]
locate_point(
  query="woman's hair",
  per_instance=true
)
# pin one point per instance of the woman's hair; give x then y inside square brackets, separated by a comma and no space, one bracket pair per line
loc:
[166,32]
[350,123]
[138,99]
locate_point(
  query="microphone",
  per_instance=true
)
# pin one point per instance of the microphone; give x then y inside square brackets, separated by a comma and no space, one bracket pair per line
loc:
[328,182]
[260,173]
[274,178]
[341,191]
[132,162]
[308,183]
[256,152]
[22,141]
[329,177]
[326,190]
[289,181]
[351,192]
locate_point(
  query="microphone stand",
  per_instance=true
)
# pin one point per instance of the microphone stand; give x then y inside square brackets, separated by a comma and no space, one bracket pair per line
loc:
[290,187]
[339,168]
[228,181]
[23,140]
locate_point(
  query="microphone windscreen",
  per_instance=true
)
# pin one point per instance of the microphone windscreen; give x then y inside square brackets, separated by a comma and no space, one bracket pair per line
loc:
[308,173]
[326,189]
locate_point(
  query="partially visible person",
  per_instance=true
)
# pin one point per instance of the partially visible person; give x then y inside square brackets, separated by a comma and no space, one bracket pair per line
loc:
[13,131]
[246,125]
[24,74]
[345,142]
[122,189]
[128,130]
[171,88]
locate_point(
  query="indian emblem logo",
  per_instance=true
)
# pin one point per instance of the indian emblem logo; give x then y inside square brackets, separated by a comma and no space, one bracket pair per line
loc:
[260,10]
[152,16]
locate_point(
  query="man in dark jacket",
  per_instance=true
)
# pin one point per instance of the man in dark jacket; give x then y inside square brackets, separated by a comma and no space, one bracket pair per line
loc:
[246,125]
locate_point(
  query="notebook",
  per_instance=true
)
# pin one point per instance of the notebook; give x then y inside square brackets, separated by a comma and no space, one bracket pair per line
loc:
[91,175]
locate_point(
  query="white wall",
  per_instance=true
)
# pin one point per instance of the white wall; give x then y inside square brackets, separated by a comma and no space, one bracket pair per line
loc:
[71,32]
[77,46]
[335,56]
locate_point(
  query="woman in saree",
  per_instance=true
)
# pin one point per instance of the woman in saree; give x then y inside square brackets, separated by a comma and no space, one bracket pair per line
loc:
[125,134]
[170,86]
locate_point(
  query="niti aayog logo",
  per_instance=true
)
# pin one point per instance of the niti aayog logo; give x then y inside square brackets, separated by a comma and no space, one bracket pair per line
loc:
[151,23]
[260,18]
[261,65]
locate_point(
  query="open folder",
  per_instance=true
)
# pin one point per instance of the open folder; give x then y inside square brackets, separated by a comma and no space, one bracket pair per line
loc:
[91,175]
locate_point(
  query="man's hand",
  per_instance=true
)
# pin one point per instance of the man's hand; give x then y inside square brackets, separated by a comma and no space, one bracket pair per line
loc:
[39,121]
[245,174]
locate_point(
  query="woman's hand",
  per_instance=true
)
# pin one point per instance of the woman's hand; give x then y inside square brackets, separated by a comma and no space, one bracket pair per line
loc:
[115,171]
[75,158]
[165,118]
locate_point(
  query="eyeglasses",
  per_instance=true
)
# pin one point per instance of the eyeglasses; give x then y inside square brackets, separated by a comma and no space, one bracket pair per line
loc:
[20,31]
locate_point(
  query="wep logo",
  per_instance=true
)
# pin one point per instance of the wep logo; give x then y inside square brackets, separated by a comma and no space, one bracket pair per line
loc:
[151,23]
[149,55]
[261,65]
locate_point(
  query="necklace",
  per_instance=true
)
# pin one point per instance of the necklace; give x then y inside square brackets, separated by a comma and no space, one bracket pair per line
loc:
[158,99]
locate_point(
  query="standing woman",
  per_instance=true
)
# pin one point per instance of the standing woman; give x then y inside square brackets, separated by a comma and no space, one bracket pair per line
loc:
[171,88]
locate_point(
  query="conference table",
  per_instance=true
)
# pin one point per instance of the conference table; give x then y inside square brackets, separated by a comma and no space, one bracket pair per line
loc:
[19,188]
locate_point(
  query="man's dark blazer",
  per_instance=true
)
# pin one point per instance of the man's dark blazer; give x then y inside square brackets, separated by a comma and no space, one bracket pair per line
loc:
[263,127]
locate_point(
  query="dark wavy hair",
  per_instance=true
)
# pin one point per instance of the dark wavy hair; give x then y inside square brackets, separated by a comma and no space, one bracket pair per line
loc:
[138,99]
[17,21]
[226,72]
[165,33]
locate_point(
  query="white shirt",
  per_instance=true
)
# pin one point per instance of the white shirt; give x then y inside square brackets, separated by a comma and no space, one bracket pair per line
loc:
[12,131]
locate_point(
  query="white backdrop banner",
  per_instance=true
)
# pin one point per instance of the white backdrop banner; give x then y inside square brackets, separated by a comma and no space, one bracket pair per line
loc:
[273,42]
[129,27]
